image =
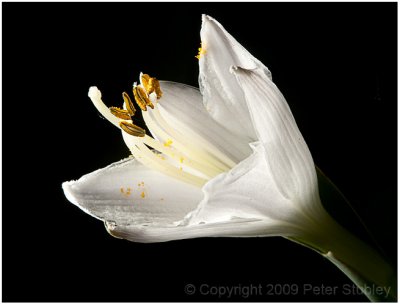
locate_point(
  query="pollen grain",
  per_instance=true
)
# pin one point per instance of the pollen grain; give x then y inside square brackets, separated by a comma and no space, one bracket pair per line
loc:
[168,143]
[202,51]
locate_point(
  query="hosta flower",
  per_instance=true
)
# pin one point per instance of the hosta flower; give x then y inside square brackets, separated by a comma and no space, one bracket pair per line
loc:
[225,160]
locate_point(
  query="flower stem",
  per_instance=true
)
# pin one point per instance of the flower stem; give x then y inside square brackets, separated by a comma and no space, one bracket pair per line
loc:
[361,263]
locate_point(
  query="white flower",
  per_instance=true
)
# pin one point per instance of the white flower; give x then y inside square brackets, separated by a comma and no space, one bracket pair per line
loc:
[228,160]
[232,161]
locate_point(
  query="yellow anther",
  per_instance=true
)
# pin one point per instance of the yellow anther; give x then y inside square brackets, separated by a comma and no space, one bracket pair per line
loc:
[128,103]
[142,195]
[151,84]
[202,51]
[138,99]
[145,81]
[132,129]
[141,98]
[120,113]
[154,86]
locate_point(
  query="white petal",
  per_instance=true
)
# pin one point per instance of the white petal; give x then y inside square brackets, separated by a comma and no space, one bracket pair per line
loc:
[157,217]
[127,192]
[288,157]
[182,107]
[222,96]
[232,228]
[249,191]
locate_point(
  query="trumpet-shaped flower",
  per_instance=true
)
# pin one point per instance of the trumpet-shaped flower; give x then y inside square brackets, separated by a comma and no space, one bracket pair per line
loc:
[224,160]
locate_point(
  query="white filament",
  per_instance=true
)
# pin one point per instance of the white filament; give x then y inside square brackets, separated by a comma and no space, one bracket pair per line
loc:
[199,165]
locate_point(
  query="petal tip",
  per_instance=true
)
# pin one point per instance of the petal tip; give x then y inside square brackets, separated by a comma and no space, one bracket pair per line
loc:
[68,191]
[205,17]
[208,23]
[110,228]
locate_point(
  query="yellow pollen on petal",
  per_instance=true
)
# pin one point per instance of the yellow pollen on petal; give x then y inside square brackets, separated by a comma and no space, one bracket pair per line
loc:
[160,156]
[168,143]
[181,159]
[202,51]
[127,192]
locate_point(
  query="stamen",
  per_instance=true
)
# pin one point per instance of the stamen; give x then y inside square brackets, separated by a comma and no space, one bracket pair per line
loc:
[145,78]
[151,84]
[95,97]
[141,98]
[129,105]
[143,154]
[222,162]
[193,158]
[199,166]
[154,86]
[174,154]
[120,113]
[132,129]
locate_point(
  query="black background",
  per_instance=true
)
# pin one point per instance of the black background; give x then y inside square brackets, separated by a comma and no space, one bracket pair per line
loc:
[336,64]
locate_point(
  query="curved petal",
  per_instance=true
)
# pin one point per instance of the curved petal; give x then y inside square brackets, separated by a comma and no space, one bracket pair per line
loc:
[232,228]
[127,192]
[248,191]
[288,157]
[222,96]
[182,108]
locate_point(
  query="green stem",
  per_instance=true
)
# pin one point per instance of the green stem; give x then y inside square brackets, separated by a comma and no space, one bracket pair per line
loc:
[361,263]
